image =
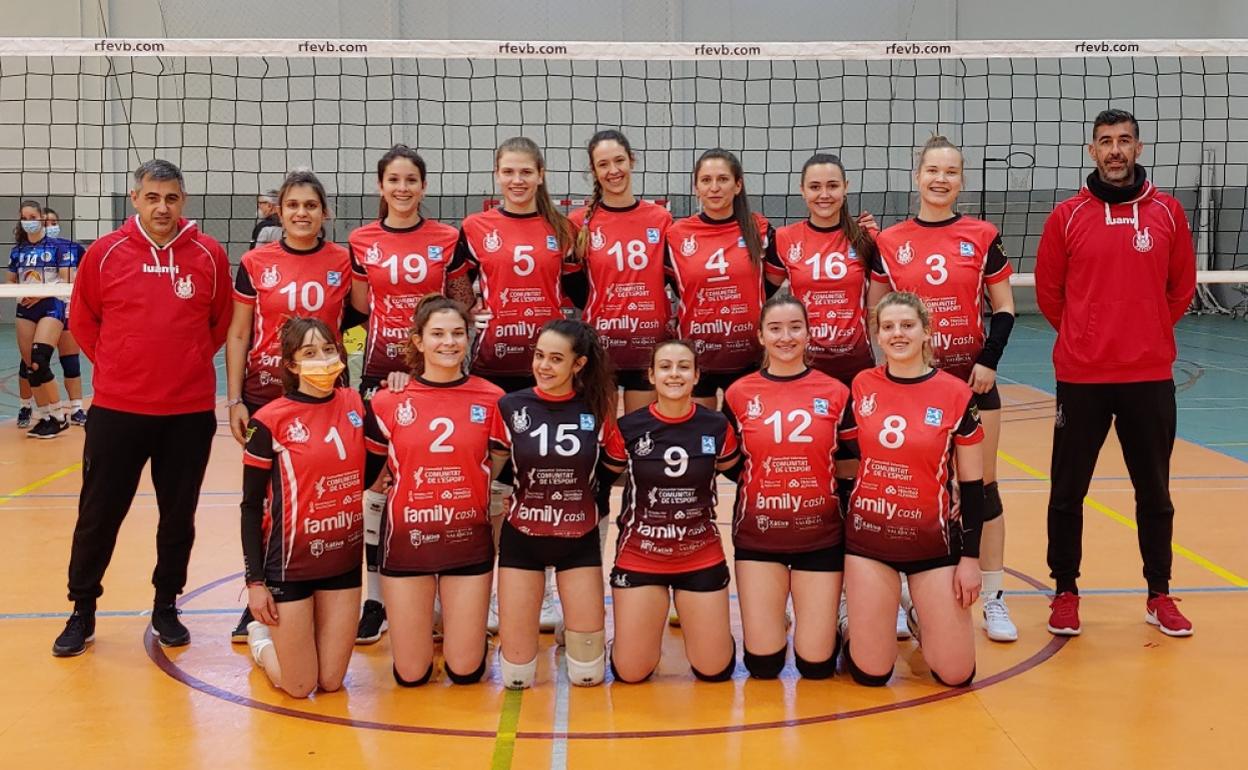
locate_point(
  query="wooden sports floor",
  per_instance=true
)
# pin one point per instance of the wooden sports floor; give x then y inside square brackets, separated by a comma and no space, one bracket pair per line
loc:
[1120,696]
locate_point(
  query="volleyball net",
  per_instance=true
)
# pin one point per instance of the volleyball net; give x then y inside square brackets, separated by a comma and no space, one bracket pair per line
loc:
[78,115]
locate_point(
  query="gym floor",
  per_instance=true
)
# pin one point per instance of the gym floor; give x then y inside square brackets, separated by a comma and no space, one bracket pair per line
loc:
[1120,695]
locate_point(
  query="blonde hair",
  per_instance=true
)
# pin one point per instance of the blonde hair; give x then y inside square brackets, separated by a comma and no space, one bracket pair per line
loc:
[912,301]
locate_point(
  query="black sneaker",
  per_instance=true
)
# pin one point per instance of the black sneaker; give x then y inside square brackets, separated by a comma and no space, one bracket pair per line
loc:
[23,417]
[372,623]
[79,418]
[168,629]
[48,427]
[239,634]
[79,632]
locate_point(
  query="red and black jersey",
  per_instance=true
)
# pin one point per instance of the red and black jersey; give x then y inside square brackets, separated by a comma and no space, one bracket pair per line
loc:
[628,303]
[902,508]
[436,438]
[668,522]
[720,289]
[830,278]
[281,282]
[555,444]
[789,428]
[400,266]
[518,262]
[947,264]
[314,452]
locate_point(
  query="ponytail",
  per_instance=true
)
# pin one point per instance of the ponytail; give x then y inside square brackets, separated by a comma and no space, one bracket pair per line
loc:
[545,206]
[595,382]
[740,203]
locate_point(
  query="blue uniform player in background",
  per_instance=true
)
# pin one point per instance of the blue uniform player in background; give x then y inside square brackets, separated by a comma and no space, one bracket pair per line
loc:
[67,348]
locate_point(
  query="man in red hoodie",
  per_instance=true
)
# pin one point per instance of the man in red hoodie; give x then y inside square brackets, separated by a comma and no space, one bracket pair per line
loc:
[150,308]
[1114,273]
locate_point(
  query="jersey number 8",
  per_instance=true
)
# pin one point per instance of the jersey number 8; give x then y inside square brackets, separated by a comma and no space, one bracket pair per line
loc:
[893,434]
[637,257]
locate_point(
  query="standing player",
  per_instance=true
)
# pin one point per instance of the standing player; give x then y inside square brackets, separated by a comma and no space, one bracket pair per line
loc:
[300,275]
[554,435]
[1115,272]
[913,421]
[516,253]
[66,348]
[303,470]
[715,260]
[395,261]
[669,545]
[36,258]
[949,261]
[787,527]
[435,533]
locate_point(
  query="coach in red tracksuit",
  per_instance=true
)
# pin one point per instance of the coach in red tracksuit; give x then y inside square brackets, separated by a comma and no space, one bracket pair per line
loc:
[1114,273]
[150,308]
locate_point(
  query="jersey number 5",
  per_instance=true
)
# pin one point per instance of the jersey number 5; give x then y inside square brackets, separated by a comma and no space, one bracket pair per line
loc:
[567,443]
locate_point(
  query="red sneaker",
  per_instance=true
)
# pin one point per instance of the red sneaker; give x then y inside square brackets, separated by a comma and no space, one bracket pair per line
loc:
[1163,614]
[1064,618]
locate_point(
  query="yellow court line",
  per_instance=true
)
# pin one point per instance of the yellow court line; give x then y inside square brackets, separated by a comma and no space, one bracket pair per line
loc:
[41,482]
[1186,553]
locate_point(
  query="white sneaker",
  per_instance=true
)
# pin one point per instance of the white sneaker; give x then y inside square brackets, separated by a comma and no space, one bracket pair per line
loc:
[551,614]
[491,620]
[997,621]
[842,619]
[258,638]
[903,624]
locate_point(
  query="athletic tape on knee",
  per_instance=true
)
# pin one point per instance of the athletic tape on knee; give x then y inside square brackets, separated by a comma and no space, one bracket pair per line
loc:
[517,676]
[815,670]
[993,508]
[413,683]
[70,366]
[586,657]
[374,508]
[764,666]
[964,683]
[862,677]
[40,364]
[23,373]
[722,676]
[498,494]
[475,676]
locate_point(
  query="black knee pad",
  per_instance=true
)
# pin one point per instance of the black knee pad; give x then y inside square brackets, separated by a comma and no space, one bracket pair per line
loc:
[764,666]
[959,685]
[862,677]
[22,372]
[373,465]
[616,674]
[722,676]
[472,678]
[70,366]
[40,370]
[823,669]
[414,683]
[993,509]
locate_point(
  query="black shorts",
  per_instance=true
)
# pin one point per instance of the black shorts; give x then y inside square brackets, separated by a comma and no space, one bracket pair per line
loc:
[914,567]
[709,383]
[468,570]
[295,590]
[510,384]
[705,580]
[534,552]
[988,402]
[831,559]
[633,379]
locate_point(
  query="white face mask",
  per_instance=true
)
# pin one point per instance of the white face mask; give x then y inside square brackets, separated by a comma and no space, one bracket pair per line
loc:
[31,226]
[53,231]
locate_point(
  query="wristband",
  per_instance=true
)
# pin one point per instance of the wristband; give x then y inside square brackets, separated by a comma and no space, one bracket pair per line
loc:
[233,402]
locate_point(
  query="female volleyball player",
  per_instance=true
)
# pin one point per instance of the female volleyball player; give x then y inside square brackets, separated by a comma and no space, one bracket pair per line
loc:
[787,525]
[300,275]
[913,421]
[949,260]
[554,436]
[669,546]
[395,261]
[435,532]
[715,260]
[36,258]
[304,468]
[67,349]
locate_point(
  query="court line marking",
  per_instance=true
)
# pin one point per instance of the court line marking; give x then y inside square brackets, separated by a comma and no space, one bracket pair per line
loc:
[559,746]
[505,739]
[41,482]
[1095,505]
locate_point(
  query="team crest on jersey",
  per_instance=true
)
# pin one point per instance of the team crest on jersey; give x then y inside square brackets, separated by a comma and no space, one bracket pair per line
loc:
[416,538]
[355,419]
[1143,241]
[821,406]
[905,255]
[405,413]
[866,407]
[552,243]
[652,235]
[933,416]
[492,241]
[619,579]
[297,432]
[587,422]
[435,253]
[520,420]
[597,240]
[500,349]
[795,253]
[333,278]
[754,407]
[689,246]
[476,413]
[708,445]
[316,548]
[966,249]
[373,255]
[183,287]
[269,277]
[644,446]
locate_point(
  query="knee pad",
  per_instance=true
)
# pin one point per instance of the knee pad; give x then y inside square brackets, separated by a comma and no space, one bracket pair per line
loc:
[586,657]
[374,508]
[965,683]
[475,676]
[22,372]
[40,370]
[415,682]
[993,508]
[70,366]
[764,666]
[498,494]
[822,669]
[517,676]
[722,676]
[862,677]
